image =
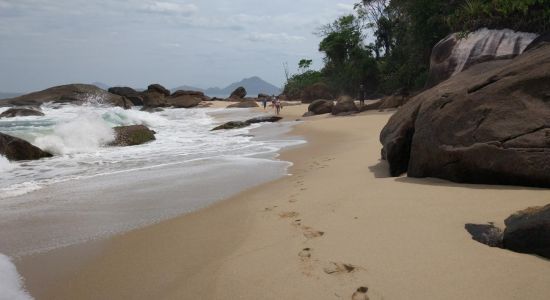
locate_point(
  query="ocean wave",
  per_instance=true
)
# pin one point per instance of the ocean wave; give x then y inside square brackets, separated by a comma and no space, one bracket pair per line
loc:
[11,283]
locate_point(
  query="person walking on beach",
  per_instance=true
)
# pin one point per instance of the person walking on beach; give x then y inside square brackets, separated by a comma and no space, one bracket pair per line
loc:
[278,105]
[362,95]
[264,102]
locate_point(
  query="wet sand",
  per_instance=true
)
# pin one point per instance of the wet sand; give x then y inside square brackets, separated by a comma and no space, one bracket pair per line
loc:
[338,223]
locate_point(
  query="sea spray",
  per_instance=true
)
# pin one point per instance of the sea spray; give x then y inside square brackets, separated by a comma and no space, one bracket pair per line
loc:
[5,164]
[11,283]
[85,133]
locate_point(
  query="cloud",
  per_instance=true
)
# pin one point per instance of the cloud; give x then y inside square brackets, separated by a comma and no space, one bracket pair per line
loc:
[163,7]
[273,37]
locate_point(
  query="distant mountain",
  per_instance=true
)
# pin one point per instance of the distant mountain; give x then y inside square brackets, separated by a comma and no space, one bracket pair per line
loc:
[253,85]
[101,85]
[9,95]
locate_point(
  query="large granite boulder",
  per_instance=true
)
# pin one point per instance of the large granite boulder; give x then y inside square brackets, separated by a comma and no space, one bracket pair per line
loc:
[153,99]
[72,93]
[489,124]
[238,93]
[528,231]
[134,96]
[345,106]
[316,91]
[20,112]
[186,99]
[17,149]
[244,104]
[320,106]
[456,53]
[132,135]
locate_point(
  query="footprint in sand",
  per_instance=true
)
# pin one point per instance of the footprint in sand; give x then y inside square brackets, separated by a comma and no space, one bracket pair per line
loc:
[288,214]
[311,233]
[270,208]
[360,294]
[305,253]
[335,268]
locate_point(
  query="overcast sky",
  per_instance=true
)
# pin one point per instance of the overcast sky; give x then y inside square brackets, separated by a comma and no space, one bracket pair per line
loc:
[136,42]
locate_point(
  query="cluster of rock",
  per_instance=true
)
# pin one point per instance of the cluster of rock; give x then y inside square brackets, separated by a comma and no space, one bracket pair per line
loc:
[489,124]
[242,124]
[344,106]
[157,96]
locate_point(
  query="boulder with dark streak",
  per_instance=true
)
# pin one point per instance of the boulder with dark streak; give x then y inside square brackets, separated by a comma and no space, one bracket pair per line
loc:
[345,106]
[489,124]
[238,93]
[17,149]
[457,53]
[320,106]
[21,112]
[157,88]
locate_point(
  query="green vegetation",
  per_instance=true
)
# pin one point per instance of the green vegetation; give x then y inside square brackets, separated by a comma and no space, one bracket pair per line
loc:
[401,35]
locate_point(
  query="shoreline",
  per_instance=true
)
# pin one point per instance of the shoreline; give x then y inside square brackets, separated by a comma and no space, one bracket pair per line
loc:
[404,238]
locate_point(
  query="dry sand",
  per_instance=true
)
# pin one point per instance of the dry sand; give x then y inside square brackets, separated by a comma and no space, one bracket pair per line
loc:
[403,238]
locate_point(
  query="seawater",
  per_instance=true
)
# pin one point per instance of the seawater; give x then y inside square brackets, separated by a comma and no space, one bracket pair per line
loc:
[89,190]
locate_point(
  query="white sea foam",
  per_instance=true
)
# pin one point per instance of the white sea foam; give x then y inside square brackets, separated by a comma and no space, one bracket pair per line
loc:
[11,283]
[5,164]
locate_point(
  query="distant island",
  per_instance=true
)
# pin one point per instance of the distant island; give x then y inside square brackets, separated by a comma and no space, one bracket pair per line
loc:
[253,85]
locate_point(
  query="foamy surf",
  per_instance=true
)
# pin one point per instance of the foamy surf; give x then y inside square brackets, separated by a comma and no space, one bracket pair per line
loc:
[11,283]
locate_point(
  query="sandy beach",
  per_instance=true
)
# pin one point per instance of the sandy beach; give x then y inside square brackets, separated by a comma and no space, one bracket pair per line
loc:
[338,222]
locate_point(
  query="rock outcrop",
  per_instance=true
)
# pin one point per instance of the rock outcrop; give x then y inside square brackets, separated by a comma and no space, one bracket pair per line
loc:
[489,124]
[528,231]
[186,99]
[319,107]
[132,135]
[134,96]
[455,53]
[72,93]
[242,124]
[238,93]
[20,112]
[244,104]
[157,88]
[17,149]
[345,106]
[316,91]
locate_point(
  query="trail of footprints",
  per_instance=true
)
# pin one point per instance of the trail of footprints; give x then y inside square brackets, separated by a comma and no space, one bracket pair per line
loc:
[306,255]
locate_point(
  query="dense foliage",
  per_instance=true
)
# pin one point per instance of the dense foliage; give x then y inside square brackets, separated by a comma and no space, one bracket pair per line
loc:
[386,44]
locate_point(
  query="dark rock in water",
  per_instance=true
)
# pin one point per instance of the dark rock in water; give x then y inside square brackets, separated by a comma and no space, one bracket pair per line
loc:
[232,125]
[238,93]
[135,97]
[489,124]
[316,91]
[132,135]
[264,119]
[455,54]
[244,104]
[72,93]
[241,124]
[17,149]
[345,105]
[319,107]
[486,234]
[157,88]
[20,112]
[186,99]
[528,231]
